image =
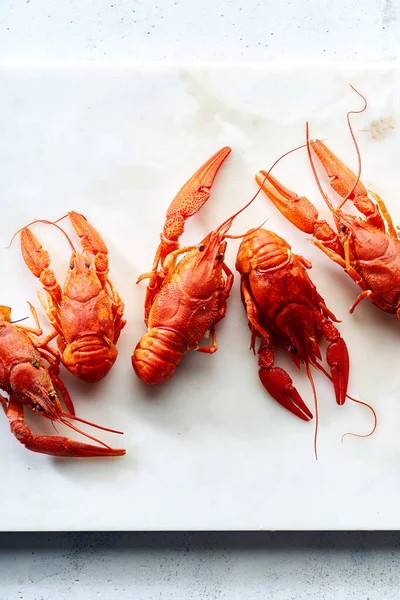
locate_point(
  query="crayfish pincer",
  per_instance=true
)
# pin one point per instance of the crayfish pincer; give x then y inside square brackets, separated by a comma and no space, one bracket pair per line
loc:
[87,314]
[27,381]
[185,299]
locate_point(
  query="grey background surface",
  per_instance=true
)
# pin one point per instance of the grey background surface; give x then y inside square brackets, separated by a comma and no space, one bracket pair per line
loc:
[199,565]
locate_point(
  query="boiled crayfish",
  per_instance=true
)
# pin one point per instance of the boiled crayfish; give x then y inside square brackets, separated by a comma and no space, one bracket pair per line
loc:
[284,308]
[366,248]
[87,314]
[185,299]
[28,382]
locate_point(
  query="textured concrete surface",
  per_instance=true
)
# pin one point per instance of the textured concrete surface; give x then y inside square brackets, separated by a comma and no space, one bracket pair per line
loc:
[194,29]
[199,566]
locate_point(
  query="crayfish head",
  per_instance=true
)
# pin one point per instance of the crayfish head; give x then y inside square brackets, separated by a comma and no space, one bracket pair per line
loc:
[346,224]
[206,262]
[81,281]
[365,242]
[31,384]
[210,252]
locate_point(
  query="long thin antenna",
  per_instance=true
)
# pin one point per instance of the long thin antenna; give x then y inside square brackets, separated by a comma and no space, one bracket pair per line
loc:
[75,418]
[318,366]
[314,170]
[238,237]
[362,435]
[90,437]
[230,219]
[316,408]
[47,223]
[354,112]
[19,320]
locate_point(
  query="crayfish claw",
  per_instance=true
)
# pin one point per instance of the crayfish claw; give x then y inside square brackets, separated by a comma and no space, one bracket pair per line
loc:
[337,357]
[53,445]
[341,178]
[347,184]
[68,448]
[36,258]
[38,262]
[89,237]
[192,195]
[297,209]
[280,386]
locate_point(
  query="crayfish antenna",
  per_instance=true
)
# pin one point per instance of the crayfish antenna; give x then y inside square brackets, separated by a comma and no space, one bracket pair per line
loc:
[354,112]
[75,418]
[46,222]
[340,175]
[19,320]
[318,366]
[227,224]
[311,380]
[87,435]
[242,235]
[362,435]
[314,170]
[265,174]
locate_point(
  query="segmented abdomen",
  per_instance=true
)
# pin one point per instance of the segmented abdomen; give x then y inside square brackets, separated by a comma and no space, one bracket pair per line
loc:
[90,357]
[157,355]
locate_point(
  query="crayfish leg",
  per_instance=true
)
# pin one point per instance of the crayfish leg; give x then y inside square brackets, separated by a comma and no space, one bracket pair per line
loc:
[214,346]
[118,308]
[369,294]
[342,262]
[252,313]
[224,294]
[53,372]
[385,213]
[3,402]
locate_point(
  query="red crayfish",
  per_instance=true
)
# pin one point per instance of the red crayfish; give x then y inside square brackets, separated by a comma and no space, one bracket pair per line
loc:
[184,300]
[366,248]
[28,382]
[284,307]
[86,315]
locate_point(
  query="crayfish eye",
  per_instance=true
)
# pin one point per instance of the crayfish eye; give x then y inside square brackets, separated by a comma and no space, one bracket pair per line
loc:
[293,350]
[38,408]
[87,264]
[201,247]
[343,228]
[53,396]
[72,266]
[220,256]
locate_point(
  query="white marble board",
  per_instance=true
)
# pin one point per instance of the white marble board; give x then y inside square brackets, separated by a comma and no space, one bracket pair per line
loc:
[210,449]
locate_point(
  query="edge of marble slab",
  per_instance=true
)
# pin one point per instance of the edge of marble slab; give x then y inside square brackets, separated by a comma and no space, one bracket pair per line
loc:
[183,529]
[271,65]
